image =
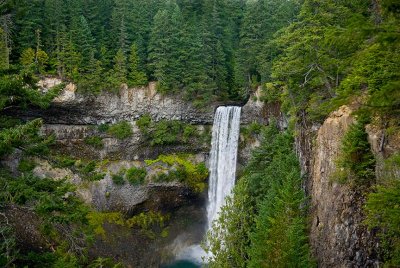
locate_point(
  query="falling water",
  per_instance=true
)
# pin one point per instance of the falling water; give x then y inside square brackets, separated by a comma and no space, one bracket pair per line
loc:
[223,156]
[224,146]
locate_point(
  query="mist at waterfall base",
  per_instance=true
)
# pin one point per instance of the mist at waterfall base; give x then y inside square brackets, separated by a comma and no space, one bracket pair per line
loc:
[223,158]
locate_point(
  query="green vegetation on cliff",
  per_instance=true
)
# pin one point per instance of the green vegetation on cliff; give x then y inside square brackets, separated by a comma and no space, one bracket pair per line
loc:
[310,56]
[264,223]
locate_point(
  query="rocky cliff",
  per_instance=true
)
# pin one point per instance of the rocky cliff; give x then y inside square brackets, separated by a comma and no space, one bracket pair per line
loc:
[74,118]
[337,234]
[73,108]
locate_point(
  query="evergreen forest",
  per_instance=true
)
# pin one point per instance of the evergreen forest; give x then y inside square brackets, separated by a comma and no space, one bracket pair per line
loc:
[308,57]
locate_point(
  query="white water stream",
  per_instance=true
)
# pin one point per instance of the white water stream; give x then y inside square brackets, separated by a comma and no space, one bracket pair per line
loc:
[223,157]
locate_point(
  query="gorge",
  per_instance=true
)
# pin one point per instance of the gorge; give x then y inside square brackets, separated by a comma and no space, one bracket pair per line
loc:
[266,131]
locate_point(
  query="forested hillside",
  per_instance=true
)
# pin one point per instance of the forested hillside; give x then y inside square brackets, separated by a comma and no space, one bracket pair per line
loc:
[308,56]
[194,47]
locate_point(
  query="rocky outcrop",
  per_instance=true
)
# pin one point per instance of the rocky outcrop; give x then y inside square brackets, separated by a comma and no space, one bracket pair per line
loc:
[338,236]
[129,104]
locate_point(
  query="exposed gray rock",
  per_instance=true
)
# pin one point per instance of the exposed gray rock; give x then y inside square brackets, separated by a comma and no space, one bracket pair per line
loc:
[129,104]
[338,236]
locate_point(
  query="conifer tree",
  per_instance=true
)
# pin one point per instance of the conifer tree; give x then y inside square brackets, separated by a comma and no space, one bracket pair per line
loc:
[136,77]
[93,81]
[164,47]
[119,72]
[83,40]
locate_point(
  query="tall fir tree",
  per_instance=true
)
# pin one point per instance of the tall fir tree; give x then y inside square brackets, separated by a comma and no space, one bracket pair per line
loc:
[164,47]
[136,76]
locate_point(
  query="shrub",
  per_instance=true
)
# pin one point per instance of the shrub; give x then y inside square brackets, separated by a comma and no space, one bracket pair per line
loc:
[144,122]
[188,131]
[383,211]
[26,165]
[64,162]
[89,167]
[135,175]
[183,170]
[96,176]
[103,127]
[121,130]
[94,141]
[356,162]
[166,132]
[118,179]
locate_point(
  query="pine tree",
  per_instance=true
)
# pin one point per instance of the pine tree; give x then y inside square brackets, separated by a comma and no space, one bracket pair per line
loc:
[83,40]
[119,72]
[136,77]
[92,81]
[119,21]
[194,74]
[251,36]
[164,47]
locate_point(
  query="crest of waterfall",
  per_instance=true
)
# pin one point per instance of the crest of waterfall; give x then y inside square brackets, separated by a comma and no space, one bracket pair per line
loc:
[223,157]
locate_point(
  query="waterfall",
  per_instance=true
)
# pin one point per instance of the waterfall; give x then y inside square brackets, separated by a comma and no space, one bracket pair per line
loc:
[223,158]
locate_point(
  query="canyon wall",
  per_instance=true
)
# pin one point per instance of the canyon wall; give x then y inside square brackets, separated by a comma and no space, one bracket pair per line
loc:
[338,236]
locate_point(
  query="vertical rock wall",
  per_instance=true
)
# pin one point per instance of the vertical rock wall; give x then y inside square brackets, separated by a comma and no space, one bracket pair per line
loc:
[337,235]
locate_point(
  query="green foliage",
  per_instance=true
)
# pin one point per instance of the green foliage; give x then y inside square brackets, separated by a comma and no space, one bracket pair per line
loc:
[94,141]
[59,210]
[18,136]
[150,223]
[118,179]
[136,176]
[8,248]
[383,211]
[229,238]
[264,222]
[26,165]
[121,130]
[97,219]
[356,164]
[103,127]
[180,168]
[144,122]
[165,132]
[135,76]
[64,162]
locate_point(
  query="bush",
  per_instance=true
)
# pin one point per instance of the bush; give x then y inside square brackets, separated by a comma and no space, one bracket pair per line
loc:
[26,165]
[121,130]
[118,179]
[95,176]
[144,122]
[166,132]
[103,127]
[89,167]
[356,162]
[383,211]
[64,162]
[188,131]
[94,141]
[136,176]
[183,170]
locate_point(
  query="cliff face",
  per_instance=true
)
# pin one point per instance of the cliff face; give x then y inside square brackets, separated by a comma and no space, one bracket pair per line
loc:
[72,108]
[72,118]
[338,237]
[337,234]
